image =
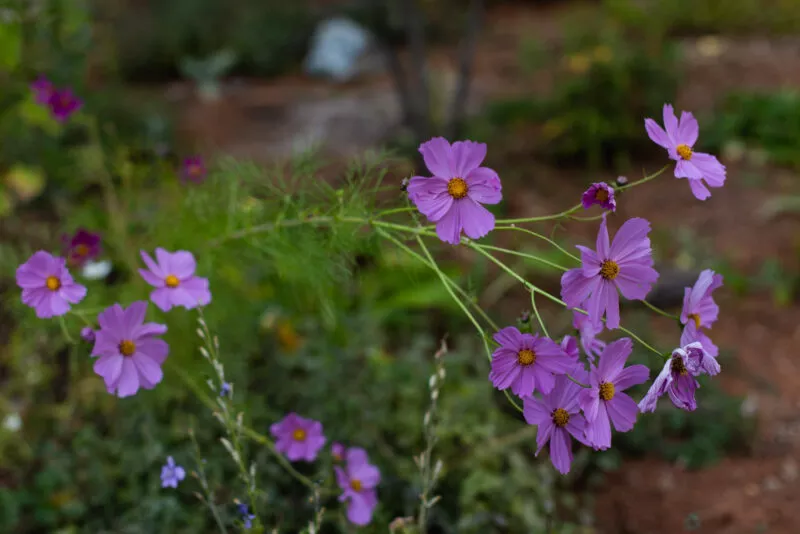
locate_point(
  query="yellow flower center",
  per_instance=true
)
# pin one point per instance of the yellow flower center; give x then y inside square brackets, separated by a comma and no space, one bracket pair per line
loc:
[127,347]
[601,195]
[81,250]
[299,434]
[609,270]
[526,357]
[606,391]
[195,169]
[172,281]
[678,367]
[684,151]
[355,484]
[695,318]
[53,283]
[560,417]
[457,188]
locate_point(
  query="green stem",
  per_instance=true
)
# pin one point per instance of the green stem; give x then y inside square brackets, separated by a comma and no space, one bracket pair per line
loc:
[64,330]
[524,255]
[538,315]
[660,311]
[539,236]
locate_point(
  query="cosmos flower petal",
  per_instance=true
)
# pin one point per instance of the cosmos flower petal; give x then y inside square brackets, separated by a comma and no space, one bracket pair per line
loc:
[622,410]
[656,133]
[467,156]
[688,130]
[484,186]
[476,220]
[561,451]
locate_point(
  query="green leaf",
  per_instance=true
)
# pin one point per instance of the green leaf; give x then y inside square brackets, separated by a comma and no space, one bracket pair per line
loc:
[10,45]
[37,115]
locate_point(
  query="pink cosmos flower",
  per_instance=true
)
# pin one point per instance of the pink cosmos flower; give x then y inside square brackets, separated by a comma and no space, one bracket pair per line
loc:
[81,247]
[452,197]
[527,362]
[194,170]
[605,399]
[42,89]
[130,354]
[558,416]
[570,347]
[47,286]
[173,277]
[677,378]
[63,103]
[358,481]
[298,438]
[700,311]
[625,265]
[601,194]
[679,139]
[588,332]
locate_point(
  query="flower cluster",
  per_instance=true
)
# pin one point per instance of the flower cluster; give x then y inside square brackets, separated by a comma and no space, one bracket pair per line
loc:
[62,103]
[563,396]
[302,439]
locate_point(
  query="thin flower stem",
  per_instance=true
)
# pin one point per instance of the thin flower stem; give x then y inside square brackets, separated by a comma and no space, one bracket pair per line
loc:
[660,311]
[208,495]
[538,315]
[584,219]
[399,244]
[524,255]
[645,179]
[539,236]
[541,218]
[64,330]
[404,209]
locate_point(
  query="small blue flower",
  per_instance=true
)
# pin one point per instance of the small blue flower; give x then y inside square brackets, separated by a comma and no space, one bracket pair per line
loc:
[171,474]
[247,517]
[225,390]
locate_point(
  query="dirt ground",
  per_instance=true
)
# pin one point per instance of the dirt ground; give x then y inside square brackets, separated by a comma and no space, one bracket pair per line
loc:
[739,495]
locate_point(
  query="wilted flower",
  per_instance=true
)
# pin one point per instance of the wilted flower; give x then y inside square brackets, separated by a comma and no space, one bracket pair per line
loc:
[558,417]
[47,286]
[81,247]
[358,481]
[63,103]
[601,194]
[452,197]
[678,139]
[130,354]
[298,438]
[570,347]
[677,378]
[171,474]
[194,169]
[700,310]
[605,399]
[173,276]
[526,362]
[626,264]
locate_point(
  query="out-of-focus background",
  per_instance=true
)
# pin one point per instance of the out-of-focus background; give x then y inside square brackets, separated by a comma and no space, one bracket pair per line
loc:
[557,89]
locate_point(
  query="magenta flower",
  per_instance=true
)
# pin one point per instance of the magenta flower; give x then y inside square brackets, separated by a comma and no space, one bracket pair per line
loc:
[692,334]
[677,378]
[81,247]
[678,139]
[358,481]
[42,90]
[558,416]
[63,103]
[588,332]
[526,362]
[605,399]
[452,197]
[627,265]
[338,451]
[174,280]
[570,347]
[700,309]
[194,170]
[130,354]
[601,194]
[298,438]
[47,286]
[88,334]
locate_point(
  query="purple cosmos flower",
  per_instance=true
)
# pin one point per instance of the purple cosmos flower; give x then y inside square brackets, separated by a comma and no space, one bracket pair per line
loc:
[247,517]
[81,247]
[700,310]
[452,197]
[130,354]
[627,265]
[677,378]
[87,334]
[601,194]
[605,399]
[171,474]
[358,481]
[692,334]
[588,332]
[47,286]
[558,416]
[338,451]
[194,170]
[42,90]
[678,139]
[570,347]
[298,438]
[526,362]
[63,103]
[173,276]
